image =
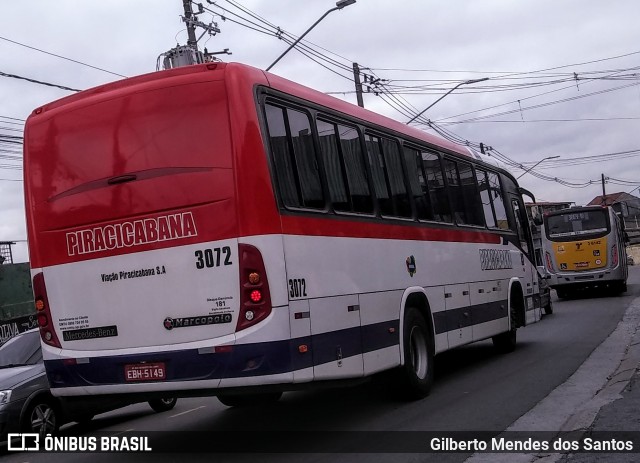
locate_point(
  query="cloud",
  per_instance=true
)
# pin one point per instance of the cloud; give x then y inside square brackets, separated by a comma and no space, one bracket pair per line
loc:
[476,38]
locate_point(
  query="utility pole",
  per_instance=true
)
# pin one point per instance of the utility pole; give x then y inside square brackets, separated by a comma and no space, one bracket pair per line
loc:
[191,26]
[356,78]
[604,194]
[186,55]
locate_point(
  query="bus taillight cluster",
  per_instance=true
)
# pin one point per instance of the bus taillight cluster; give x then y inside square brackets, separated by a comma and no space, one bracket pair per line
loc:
[255,301]
[43,313]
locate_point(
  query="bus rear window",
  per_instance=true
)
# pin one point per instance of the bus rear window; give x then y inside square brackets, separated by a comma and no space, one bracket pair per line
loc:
[577,223]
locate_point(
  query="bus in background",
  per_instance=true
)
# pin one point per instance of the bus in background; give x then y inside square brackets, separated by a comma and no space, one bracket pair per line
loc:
[585,247]
[218,230]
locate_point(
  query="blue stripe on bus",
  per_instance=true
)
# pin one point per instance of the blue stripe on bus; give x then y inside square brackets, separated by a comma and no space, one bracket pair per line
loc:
[463,317]
[259,359]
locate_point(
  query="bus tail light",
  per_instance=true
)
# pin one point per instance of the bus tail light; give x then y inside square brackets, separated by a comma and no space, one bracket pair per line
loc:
[47,332]
[255,299]
[614,255]
[547,258]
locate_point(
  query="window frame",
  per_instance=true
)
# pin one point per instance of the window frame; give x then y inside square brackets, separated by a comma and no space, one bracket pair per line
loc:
[283,105]
[315,111]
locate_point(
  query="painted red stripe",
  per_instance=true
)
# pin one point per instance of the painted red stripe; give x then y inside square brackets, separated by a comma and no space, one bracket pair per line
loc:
[295,225]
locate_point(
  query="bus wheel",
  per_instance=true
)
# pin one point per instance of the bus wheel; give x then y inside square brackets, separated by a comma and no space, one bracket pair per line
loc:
[416,375]
[506,342]
[619,287]
[244,400]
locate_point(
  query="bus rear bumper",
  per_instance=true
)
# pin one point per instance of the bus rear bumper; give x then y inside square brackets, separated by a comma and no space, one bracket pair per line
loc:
[593,278]
[257,363]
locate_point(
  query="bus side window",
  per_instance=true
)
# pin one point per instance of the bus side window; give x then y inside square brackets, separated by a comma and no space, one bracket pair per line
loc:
[395,175]
[418,183]
[471,196]
[495,194]
[487,208]
[334,167]
[353,158]
[380,183]
[436,187]
[294,157]
[345,168]
[456,192]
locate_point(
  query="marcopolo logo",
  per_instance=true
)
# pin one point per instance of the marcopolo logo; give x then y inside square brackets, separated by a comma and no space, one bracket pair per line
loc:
[135,233]
[171,323]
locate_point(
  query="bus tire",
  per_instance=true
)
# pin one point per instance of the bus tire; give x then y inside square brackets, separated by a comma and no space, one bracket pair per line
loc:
[244,400]
[619,287]
[506,342]
[416,375]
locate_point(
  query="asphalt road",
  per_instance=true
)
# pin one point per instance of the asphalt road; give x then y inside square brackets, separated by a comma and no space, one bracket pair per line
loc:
[475,389]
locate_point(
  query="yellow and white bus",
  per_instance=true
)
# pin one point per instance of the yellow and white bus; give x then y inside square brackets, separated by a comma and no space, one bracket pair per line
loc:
[585,247]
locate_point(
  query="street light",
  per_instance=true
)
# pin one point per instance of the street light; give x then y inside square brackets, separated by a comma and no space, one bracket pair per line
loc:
[532,167]
[474,81]
[339,5]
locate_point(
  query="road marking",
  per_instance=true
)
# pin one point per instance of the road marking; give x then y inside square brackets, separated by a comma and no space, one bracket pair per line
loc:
[188,411]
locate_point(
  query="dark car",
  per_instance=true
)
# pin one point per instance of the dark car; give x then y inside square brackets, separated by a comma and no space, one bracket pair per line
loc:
[27,405]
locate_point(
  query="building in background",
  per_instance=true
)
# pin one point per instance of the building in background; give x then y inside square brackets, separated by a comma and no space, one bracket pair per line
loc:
[626,205]
[17,312]
[6,256]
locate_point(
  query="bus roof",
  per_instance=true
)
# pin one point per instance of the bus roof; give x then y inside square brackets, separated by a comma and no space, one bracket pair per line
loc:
[275,82]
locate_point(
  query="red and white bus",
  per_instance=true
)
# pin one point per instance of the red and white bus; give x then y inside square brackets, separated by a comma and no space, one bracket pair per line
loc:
[219,230]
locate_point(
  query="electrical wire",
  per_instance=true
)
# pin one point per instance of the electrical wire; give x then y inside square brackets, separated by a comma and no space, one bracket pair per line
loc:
[62,57]
[34,81]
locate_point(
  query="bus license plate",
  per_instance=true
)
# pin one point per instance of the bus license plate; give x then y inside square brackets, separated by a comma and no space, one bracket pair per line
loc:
[145,372]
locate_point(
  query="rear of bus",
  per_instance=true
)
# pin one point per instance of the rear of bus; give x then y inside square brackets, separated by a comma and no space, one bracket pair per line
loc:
[140,280]
[584,247]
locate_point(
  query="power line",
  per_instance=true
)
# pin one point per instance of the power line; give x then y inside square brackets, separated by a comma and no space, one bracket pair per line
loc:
[586,81]
[513,73]
[4,74]
[588,119]
[13,118]
[542,105]
[62,57]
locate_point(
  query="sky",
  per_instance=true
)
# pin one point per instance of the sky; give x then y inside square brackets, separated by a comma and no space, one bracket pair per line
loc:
[563,77]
